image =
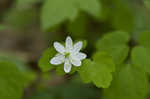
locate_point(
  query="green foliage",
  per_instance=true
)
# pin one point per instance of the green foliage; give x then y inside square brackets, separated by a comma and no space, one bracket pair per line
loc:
[60,70]
[144,39]
[115,44]
[44,62]
[142,21]
[99,71]
[85,43]
[22,15]
[55,12]
[122,16]
[2,27]
[120,63]
[70,90]
[78,27]
[119,13]
[12,72]
[141,57]
[141,54]
[147,3]
[129,83]
[9,76]
[48,54]
[21,18]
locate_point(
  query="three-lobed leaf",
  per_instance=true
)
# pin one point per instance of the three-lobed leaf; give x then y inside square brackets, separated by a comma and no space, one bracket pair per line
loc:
[128,83]
[115,44]
[55,12]
[99,71]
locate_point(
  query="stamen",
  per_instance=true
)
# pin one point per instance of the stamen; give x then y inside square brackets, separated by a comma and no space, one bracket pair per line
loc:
[67,55]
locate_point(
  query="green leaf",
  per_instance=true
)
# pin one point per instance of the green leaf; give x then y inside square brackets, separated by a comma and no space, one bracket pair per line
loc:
[144,39]
[142,18]
[2,27]
[129,83]
[13,80]
[141,58]
[60,70]
[113,38]
[99,71]
[147,3]
[140,54]
[21,18]
[44,62]
[115,44]
[85,43]
[9,78]
[55,12]
[90,6]
[28,74]
[122,17]
[85,70]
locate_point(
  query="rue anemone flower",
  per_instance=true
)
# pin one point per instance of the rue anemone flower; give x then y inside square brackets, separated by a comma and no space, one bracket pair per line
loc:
[69,54]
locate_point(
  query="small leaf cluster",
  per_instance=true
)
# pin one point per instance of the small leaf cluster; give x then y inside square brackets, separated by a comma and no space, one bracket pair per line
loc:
[120,69]
[116,39]
[12,71]
[116,63]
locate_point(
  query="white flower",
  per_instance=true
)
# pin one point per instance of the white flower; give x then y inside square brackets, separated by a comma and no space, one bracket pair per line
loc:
[68,55]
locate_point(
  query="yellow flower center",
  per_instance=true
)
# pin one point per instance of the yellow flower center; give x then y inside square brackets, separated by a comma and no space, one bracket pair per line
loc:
[67,55]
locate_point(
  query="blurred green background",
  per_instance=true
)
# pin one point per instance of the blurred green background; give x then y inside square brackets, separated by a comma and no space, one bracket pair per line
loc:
[28,27]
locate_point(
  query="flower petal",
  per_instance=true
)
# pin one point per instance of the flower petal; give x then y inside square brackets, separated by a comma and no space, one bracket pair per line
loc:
[67,66]
[75,61]
[80,56]
[59,47]
[58,59]
[69,43]
[77,47]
